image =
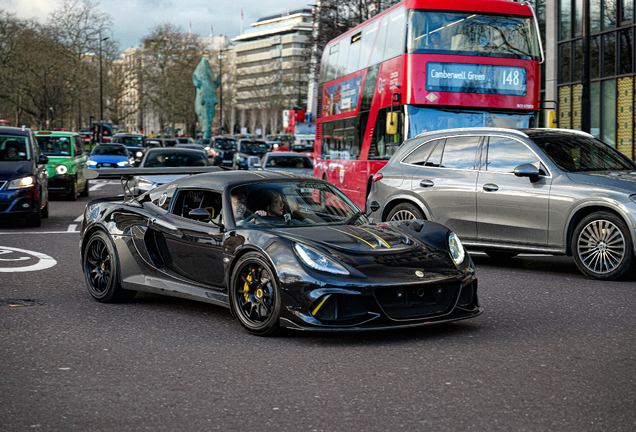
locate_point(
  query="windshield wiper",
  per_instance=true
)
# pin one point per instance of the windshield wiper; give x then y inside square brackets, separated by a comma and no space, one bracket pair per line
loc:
[355,217]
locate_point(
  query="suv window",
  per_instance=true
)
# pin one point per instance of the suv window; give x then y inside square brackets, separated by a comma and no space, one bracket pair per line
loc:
[420,154]
[505,154]
[459,152]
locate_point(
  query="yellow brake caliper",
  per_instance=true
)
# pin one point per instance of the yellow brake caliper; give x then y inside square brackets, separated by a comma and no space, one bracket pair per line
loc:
[246,287]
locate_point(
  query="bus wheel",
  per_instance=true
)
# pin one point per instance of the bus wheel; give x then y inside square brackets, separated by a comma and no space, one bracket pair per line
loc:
[405,211]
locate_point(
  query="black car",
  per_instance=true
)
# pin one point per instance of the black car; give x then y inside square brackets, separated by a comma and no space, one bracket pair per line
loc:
[24,187]
[223,149]
[279,251]
[248,154]
[135,143]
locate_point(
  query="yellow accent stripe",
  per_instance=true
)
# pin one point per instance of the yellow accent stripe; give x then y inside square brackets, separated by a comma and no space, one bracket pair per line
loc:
[315,311]
[252,172]
[377,236]
[284,173]
[344,232]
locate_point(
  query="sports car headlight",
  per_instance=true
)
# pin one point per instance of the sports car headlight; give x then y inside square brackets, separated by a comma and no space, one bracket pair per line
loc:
[21,183]
[139,154]
[92,163]
[61,169]
[122,163]
[456,249]
[318,261]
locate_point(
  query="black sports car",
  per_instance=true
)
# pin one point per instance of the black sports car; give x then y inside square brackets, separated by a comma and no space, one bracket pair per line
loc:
[278,250]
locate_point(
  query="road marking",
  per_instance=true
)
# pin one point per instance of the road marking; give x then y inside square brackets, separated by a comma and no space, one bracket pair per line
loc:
[71,228]
[38,232]
[98,184]
[79,218]
[44,261]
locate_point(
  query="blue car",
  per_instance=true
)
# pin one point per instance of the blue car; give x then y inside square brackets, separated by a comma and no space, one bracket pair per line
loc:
[110,156]
[24,183]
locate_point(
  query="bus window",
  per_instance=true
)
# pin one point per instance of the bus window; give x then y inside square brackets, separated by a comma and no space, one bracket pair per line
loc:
[368,37]
[378,47]
[327,137]
[384,145]
[352,151]
[395,39]
[343,58]
[354,53]
[324,66]
[337,144]
[332,63]
[369,88]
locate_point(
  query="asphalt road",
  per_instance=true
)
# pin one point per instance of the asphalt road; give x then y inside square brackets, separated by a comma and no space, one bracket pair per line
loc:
[553,351]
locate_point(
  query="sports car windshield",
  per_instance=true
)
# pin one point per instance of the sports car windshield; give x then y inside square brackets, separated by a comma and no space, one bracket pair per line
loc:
[293,204]
[580,153]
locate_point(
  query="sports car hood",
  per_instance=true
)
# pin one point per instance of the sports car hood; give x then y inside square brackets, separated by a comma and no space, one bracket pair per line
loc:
[13,169]
[613,179]
[353,238]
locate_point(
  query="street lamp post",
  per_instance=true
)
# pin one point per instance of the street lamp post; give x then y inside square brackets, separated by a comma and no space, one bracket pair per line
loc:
[101,95]
[221,91]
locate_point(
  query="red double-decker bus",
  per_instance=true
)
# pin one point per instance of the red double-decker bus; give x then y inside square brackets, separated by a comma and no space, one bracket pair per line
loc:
[422,65]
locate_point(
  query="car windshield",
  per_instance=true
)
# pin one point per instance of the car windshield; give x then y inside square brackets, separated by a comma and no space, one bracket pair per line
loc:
[256,147]
[293,204]
[131,141]
[288,162]
[175,159]
[153,143]
[54,145]
[577,153]
[101,150]
[468,33]
[14,148]
[225,144]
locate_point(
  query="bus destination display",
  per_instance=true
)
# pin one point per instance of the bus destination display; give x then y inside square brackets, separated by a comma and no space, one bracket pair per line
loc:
[474,78]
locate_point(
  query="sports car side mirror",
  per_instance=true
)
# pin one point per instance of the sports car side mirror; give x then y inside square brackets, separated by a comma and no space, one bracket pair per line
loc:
[199,214]
[527,170]
[374,206]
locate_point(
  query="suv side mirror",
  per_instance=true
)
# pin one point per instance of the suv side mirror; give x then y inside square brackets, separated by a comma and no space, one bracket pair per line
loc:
[43,160]
[527,170]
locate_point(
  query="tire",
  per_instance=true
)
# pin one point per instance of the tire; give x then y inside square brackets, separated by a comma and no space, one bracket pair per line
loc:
[501,254]
[405,211]
[255,295]
[602,246]
[101,270]
[45,211]
[85,191]
[35,220]
[72,195]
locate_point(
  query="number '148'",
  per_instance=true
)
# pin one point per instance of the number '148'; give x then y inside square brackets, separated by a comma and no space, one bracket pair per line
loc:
[511,78]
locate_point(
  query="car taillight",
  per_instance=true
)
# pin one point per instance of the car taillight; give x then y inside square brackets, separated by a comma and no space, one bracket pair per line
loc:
[376,177]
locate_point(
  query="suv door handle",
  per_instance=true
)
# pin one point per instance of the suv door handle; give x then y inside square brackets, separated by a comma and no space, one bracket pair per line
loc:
[426,183]
[489,187]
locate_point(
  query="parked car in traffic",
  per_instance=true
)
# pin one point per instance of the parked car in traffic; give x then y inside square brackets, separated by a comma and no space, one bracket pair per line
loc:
[173,157]
[154,142]
[67,159]
[204,148]
[185,140]
[292,162]
[134,142]
[110,156]
[223,149]
[507,191]
[24,183]
[248,154]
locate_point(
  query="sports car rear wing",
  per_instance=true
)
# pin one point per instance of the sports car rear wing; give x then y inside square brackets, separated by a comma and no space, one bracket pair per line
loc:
[129,173]
[126,174]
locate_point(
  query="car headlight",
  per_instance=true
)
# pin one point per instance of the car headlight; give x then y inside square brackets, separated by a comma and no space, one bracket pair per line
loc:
[92,163]
[61,169]
[207,148]
[456,249]
[122,163]
[139,154]
[318,261]
[21,183]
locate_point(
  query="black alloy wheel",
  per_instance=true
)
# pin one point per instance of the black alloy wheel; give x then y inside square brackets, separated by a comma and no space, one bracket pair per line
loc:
[101,270]
[255,295]
[602,246]
[405,211]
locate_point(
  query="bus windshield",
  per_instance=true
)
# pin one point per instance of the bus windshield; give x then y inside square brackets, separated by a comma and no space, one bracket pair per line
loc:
[472,34]
[427,119]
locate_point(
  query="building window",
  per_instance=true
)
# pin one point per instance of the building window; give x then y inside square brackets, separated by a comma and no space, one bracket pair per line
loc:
[565,55]
[626,51]
[609,54]
[565,20]
[608,112]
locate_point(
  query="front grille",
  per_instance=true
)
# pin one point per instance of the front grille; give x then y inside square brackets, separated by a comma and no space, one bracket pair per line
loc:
[4,207]
[339,309]
[419,301]
[106,165]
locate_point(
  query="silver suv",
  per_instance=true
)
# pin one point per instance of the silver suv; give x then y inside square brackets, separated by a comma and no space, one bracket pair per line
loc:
[506,191]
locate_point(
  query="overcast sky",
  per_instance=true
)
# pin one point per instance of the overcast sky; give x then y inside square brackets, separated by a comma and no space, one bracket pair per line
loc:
[133,19]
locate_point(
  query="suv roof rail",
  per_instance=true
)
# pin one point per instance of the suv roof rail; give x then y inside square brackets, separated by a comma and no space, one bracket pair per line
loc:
[474,129]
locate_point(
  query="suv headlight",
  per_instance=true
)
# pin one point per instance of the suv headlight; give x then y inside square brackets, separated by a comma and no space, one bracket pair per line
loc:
[122,163]
[318,261]
[456,249]
[21,183]
[61,169]
[92,163]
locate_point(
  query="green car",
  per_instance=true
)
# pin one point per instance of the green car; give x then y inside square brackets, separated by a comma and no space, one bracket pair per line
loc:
[67,158]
